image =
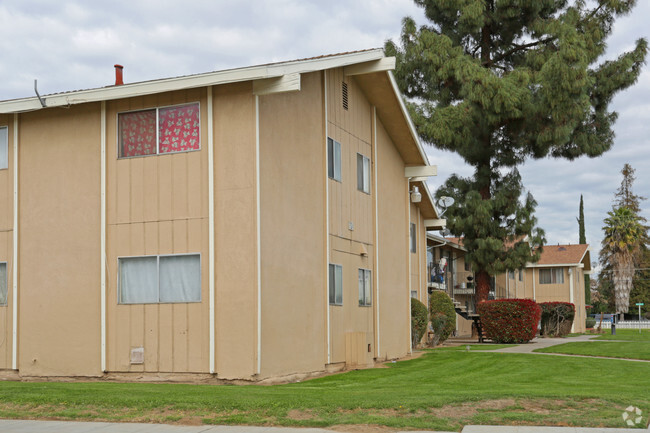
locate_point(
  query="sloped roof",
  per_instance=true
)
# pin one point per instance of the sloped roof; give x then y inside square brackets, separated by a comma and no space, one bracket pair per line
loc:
[554,255]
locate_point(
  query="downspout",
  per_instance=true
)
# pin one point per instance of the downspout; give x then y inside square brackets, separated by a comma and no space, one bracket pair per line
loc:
[259,236]
[211,250]
[418,248]
[327,222]
[376,192]
[408,270]
[103,236]
[14,345]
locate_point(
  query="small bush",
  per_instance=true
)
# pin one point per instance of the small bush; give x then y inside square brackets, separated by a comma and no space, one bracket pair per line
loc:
[557,318]
[510,320]
[590,322]
[419,321]
[441,304]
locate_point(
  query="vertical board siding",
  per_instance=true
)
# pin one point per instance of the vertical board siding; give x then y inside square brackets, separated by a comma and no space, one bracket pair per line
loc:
[157,205]
[6,245]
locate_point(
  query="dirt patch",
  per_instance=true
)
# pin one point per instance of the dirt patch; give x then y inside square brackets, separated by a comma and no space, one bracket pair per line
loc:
[300,415]
[362,428]
[468,409]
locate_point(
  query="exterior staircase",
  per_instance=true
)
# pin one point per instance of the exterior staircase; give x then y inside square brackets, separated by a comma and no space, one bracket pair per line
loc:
[461,310]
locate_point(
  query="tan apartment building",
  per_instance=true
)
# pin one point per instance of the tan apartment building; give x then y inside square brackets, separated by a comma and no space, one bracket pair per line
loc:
[558,276]
[241,224]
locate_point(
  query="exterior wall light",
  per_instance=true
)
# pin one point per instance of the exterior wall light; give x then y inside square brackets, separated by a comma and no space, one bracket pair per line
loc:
[416,197]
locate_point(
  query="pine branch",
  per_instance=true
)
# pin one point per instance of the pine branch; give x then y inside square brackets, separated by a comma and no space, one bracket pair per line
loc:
[519,48]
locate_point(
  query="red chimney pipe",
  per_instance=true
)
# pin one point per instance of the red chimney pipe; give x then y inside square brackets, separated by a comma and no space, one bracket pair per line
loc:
[118,75]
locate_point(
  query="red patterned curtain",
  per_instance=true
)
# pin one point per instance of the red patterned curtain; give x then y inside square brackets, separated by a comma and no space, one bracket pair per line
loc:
[179,128]
[137,133]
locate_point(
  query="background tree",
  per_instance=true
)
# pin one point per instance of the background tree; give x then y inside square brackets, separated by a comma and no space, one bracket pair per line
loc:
[641,283]
[502,81]
[582,239]
[620,250]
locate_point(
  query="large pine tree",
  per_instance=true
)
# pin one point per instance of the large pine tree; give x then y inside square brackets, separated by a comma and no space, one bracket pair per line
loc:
[502,81]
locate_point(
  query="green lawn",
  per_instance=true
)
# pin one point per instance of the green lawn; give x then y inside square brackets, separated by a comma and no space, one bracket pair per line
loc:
[617,349]
[626,334]
[442,390]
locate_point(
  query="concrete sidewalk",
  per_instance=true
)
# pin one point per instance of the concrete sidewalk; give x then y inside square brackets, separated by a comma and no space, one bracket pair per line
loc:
[20,426]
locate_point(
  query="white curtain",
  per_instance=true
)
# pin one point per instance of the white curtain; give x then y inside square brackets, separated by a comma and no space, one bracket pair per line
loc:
[4,148]
[180,278]
[139,280]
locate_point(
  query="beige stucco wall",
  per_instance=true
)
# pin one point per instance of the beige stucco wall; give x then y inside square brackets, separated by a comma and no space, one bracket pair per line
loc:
[6,245]
[293,175]
[59,254]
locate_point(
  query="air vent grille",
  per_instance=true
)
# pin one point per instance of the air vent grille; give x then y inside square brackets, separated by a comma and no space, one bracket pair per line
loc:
[344,93]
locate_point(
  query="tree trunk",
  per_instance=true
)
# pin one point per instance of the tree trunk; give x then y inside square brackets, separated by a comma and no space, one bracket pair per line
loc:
[482,286]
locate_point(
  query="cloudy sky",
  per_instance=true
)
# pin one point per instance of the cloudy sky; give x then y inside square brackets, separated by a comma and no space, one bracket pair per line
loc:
[70,45]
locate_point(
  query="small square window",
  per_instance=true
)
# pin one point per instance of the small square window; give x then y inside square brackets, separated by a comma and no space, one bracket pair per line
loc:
[4,147]
[336,284]
[3,283]
[414,294]
[365,288]
[363,173]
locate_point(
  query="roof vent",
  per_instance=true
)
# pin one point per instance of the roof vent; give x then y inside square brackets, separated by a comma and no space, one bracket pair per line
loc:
[119,80]
[561,249]
[344,93]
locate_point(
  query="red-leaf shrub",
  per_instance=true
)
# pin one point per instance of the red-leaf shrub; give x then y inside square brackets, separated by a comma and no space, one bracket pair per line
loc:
[510,320]
[557,318]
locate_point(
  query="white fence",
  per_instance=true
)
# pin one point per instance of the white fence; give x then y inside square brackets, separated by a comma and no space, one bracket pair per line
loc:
[628,324]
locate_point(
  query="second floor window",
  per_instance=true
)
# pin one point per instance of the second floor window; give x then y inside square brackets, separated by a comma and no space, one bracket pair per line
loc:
[4,147]
[333,159]
[159,130]
[363,173]
[551,276]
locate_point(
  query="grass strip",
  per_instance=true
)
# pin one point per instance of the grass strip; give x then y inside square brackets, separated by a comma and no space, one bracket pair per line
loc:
[618,349]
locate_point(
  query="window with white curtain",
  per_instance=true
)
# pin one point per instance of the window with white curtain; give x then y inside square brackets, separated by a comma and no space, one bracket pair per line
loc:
[3,283]
[336,284]
[160,279]
[363,173]
[551,276]
[365,288]
[333,159]
[4,147]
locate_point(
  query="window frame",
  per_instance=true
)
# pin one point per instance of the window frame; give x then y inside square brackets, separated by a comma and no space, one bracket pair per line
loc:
[5,144]
[334,162]
[553,275]
[365,293]
[363,175]
[157,110]
[4,284]
[332,290]
[158,257]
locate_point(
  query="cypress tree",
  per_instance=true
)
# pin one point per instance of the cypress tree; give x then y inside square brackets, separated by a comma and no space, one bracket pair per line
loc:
[582,239]
[499,82]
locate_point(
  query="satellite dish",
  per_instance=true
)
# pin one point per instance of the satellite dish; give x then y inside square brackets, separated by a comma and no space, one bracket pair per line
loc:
[444,203]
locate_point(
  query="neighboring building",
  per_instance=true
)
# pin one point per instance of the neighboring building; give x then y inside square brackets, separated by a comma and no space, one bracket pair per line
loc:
[241,224]
[557,277]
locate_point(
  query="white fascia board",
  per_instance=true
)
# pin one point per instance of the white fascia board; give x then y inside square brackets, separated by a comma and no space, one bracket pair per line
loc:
[435,224]
[285,83]
[558,265]
[381,65]
[192,81]
[423,171]
[405,112]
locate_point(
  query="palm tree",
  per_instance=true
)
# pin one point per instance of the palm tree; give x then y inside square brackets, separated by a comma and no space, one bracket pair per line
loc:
[621,246]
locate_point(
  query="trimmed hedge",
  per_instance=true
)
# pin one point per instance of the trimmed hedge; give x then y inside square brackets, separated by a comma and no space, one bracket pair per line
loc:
[440,304]
[557,318]
[510,320]
[419,319]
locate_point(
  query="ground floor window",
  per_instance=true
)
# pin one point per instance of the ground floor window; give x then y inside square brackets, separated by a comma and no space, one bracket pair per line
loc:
[365,288]
[551,276]
[159,279]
